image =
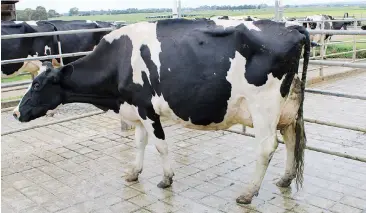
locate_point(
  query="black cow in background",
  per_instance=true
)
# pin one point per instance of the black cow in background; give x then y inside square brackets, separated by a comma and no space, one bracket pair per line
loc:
[47,45]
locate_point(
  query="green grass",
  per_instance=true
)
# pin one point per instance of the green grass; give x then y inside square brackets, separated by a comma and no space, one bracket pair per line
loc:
[261,13]
[129,18]
[345,47]
[15,78]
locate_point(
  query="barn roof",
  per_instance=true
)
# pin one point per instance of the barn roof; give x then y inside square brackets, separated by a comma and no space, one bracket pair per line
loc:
[9,1]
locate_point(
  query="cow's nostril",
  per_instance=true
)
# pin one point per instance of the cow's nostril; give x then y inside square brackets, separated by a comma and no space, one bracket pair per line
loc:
[15,115]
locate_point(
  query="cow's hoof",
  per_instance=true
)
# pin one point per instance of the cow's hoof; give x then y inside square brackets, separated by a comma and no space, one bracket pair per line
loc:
[50,114]
[243,199]
[165,183]
[132,177]
[284,183]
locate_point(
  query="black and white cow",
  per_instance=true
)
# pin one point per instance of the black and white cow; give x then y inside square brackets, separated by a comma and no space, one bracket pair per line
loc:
[19,47]
[46,45]
[204,74]
[248,18]
[317,21]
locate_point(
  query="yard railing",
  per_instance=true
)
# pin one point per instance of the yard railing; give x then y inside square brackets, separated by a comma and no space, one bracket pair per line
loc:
[315,62]
[60,55]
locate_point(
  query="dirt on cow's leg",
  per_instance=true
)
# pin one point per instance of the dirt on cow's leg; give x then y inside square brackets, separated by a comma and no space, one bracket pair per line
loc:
[141,142]
[265,120]
[162,148]
[289,137]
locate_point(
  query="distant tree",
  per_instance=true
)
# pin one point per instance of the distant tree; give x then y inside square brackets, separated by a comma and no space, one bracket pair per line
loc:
[53,13]
[40,13]
[262,6]
[74,11]
[28,14]
[21,15]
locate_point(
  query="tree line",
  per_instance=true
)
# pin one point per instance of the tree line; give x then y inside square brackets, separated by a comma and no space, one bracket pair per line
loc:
[75,11]
[40,13]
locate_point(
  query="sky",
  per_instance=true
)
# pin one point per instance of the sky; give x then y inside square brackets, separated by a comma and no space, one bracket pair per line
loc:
[63,6]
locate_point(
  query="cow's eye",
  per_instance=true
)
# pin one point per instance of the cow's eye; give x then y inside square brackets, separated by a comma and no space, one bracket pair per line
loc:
[36,86]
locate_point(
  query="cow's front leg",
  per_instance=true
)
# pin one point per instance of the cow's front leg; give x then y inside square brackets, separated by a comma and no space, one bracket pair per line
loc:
[51,113]
[265,123]
[156,134]
[141,142]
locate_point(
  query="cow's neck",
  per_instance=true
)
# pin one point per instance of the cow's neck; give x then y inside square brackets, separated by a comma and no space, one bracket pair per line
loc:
[102,102]
[92,79]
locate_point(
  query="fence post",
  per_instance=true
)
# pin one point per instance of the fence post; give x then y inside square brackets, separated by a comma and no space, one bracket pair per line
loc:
[322,49]
[354,44]
[60,53]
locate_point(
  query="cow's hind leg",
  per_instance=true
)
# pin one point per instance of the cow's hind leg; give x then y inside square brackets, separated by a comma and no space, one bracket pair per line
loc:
[289,137]
[156,134]
[265,118]
[141,142]
[162,148]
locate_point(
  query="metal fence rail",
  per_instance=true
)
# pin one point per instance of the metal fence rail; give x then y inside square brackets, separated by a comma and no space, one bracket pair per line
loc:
[66,55]
[336,94]
[338,32]
[29,35]
[336,63]
[335,20]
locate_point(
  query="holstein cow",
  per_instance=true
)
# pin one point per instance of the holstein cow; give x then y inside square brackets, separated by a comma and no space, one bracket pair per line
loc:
[248,18]
[46,45]
[317,21]
[204,74]
[18,47]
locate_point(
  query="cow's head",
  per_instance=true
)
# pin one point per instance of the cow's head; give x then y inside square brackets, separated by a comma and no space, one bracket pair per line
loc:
[45,93]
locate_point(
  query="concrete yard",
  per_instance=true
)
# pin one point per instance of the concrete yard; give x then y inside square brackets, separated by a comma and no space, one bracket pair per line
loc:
[79,165]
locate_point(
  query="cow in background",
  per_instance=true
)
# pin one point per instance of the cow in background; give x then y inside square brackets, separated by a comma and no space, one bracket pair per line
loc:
[47,45]
[317,21]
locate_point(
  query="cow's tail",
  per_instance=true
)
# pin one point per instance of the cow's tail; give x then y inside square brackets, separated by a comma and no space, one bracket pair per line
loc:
[300,142]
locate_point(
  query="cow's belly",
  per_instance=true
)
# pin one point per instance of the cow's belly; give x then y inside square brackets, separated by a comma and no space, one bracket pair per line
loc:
[237,113]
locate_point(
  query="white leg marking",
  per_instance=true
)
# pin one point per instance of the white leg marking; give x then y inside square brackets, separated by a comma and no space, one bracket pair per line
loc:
[162,148]
[141,142]
[47,48]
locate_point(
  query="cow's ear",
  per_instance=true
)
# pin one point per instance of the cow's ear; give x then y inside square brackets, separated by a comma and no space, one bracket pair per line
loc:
[55,63]
[67,70]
